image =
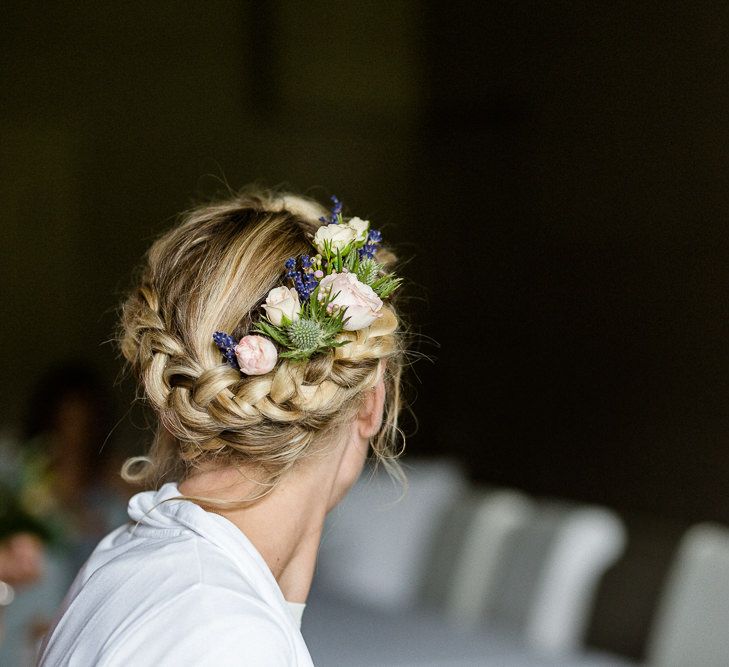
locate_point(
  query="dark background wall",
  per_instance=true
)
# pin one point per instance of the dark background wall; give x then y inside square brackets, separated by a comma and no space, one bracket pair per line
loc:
[581,154]
[555,173]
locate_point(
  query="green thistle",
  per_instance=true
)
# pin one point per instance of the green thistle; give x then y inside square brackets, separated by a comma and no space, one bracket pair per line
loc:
[305,334]
[320,322]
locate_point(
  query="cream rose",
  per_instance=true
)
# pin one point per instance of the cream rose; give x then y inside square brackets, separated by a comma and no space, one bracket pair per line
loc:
[256,355]
[360,227]
[338,236]
[362,304]
[282,302]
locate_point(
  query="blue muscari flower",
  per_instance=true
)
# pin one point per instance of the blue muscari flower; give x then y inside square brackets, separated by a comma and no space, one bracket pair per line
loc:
[226,345]
[375,236]
[305,285]
[301,287]
[310,281]
[290,264]
[367,251]
[333,217]
[303,280]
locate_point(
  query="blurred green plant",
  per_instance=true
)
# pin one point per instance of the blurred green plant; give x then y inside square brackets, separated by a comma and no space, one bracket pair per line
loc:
[27,503]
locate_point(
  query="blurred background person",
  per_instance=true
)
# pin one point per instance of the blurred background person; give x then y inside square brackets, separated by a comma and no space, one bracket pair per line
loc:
[21,559]
[60,479]
[21,564]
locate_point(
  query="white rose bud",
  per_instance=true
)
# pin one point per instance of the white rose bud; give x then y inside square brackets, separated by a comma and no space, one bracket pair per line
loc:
[338,236]
[362,304]
[361,227]
[282,302]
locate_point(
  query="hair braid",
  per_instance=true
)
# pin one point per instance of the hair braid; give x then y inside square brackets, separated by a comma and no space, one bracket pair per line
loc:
[209,273]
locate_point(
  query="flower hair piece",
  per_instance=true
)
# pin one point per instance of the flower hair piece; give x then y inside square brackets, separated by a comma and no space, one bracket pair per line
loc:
[339,288]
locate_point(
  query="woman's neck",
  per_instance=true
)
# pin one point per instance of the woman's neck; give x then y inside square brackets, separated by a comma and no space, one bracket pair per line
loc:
[285,526]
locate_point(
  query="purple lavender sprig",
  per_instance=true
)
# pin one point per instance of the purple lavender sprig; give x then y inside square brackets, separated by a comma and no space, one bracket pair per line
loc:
[303,280]
[226,344]
[336,214]
[368,250]
[374,236]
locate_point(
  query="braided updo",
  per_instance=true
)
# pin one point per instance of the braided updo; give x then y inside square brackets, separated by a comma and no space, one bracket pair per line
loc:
[211,272]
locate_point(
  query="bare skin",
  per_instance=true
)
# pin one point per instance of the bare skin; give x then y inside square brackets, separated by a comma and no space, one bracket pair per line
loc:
[286,525]
[21,559]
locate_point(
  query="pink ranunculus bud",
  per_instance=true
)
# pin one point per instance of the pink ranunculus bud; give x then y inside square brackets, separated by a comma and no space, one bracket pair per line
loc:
[362,304]
[256,355]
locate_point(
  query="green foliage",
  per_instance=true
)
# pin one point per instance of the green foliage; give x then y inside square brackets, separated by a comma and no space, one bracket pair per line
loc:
[15,517]
[265,327]
[317,328]
[386,285]
[304,334]
[315,331]
[368,271]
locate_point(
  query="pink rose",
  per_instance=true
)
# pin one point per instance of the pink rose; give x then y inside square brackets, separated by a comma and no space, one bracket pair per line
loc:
[362,304]
[256,355]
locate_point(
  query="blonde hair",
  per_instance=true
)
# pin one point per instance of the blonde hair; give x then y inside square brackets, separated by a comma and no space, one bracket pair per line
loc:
[211,272]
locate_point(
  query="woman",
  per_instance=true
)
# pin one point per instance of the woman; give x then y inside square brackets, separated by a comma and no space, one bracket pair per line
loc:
[264,336]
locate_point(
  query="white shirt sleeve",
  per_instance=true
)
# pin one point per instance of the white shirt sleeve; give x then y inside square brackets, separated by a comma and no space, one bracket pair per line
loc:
[205,626]
[215,627]
[228,641]
[297,611]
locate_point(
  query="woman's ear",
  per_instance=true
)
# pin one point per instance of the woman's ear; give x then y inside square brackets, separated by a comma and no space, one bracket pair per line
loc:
[369,418]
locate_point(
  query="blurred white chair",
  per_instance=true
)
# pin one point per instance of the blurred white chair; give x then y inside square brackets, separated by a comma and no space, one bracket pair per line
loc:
[377,543]
[493,519]
[521,573]
[692,625]
[540,567]
[587,541]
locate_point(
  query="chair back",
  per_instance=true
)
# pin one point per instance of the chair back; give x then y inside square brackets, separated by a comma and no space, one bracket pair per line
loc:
[692,624]
[377,543]
[549,573]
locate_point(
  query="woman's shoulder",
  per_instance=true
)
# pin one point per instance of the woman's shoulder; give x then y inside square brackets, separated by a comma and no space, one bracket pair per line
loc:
[169,594]
[203,625]
[169,614]
[168,563]
[173,568]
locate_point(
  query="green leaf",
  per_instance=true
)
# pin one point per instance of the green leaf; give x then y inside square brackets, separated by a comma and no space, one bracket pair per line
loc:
[275,333]
[328,251]
[368,271]
[295,355]
[352,261]
[386,285]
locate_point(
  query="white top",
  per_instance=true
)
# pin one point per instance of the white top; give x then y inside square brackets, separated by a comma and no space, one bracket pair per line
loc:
[297,609]
[178,586]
